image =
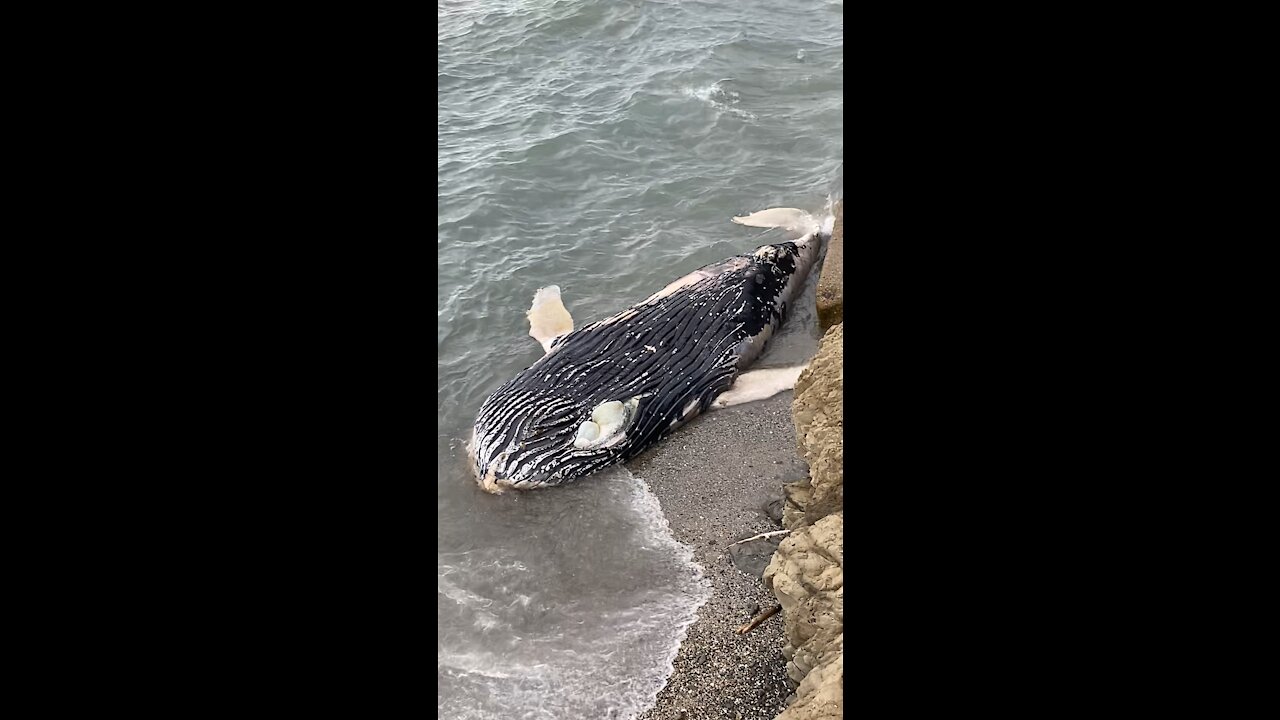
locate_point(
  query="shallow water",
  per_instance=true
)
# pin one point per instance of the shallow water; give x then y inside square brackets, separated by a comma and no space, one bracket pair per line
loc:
[602,147]
[556,624]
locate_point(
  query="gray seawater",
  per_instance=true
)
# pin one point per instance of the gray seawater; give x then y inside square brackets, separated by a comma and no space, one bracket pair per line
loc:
[601,146]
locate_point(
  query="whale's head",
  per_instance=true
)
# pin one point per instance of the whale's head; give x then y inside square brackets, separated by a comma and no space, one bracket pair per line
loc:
[525,442]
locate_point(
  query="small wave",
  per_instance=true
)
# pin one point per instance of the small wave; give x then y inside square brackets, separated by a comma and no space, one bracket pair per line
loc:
[658,532]
[486,659]
[474,663]
[829,215]
[656,529]
[459,595]
[719,98]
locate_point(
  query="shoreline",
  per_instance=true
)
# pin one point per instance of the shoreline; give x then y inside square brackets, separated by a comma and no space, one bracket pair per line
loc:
[714,478]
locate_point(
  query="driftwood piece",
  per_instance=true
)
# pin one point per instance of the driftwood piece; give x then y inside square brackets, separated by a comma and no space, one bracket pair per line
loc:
[761,536]
[759,619]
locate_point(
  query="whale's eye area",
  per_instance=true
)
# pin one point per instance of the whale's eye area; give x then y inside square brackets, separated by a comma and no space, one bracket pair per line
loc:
[607,424]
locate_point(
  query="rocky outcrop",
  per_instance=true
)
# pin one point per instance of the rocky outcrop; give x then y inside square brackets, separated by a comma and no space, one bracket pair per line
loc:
[831,281]
[806,574]
[807,577]
[818,413]
[821,695]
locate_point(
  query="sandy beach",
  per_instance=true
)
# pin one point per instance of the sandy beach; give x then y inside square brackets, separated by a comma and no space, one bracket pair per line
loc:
[714,479]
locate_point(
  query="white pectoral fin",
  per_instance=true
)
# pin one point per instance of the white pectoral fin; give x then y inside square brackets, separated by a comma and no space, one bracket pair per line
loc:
[758,385]
[548,318]
[789,218]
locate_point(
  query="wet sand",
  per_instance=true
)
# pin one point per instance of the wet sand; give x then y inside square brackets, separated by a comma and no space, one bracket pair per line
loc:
[714,478]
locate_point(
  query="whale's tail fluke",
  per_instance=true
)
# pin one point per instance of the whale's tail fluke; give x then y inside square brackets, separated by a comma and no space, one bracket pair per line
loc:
[789,218]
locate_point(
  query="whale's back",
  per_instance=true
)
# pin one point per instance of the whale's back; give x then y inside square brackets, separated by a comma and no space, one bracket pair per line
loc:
[675,352]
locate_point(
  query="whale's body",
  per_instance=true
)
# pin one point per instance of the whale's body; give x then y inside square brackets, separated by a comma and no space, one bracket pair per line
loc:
[607,391]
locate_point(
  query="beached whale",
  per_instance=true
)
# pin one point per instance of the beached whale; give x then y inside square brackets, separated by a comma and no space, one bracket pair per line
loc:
[606,391]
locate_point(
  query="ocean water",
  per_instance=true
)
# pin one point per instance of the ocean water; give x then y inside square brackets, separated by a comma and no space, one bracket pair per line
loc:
[601,146]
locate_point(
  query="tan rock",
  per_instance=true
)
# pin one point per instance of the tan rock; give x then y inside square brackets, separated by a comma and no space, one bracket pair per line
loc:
[831,281]
[806,573]
[807,576]
[818,413]
[797,498]
[821,695]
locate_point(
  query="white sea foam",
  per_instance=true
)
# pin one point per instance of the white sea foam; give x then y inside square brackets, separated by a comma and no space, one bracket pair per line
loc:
[828,215]
[718,97]
[659,533]
[549,643]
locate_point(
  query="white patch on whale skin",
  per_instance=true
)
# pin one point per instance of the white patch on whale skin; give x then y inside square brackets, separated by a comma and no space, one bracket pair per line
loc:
[609,416]
[588,432]
[690,409]
[607,426]
[758,385]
